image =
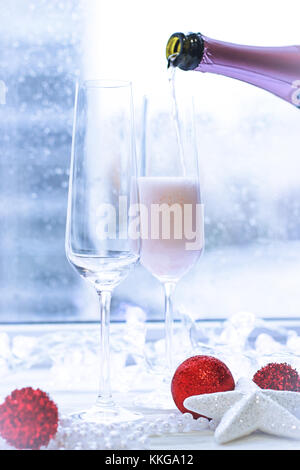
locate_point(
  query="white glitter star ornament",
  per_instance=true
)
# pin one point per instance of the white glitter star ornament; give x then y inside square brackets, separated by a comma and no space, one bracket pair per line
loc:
[249,408]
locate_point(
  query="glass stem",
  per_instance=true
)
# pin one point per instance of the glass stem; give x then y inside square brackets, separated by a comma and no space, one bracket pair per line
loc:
[104,396]
[169,288]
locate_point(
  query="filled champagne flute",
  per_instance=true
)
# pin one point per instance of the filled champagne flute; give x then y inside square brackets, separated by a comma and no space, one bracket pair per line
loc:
[172,228]
[102,191]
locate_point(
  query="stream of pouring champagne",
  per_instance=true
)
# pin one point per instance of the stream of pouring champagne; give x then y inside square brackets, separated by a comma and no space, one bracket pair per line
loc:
[274,69]
[176,121]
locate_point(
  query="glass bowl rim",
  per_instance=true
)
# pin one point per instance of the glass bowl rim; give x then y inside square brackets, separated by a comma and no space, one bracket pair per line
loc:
[105,83]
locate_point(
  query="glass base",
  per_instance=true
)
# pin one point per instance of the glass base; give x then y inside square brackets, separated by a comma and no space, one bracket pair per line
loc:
[107,414]
[154,402]
[161,399]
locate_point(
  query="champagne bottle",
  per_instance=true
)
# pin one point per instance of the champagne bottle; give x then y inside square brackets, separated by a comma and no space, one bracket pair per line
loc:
[275,69]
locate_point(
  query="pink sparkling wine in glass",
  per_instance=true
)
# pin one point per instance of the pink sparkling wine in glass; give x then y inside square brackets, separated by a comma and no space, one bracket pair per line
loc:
[169,247]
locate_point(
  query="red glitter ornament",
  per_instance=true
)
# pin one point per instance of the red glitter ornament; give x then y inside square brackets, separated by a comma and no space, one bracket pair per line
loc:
[276,376]
[198,375]
[28,419]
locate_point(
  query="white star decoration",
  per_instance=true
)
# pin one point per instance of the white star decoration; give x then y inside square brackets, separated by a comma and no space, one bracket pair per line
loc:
[249,408]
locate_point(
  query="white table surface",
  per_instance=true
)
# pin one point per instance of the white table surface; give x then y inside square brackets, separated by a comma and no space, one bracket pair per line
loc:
[72,400]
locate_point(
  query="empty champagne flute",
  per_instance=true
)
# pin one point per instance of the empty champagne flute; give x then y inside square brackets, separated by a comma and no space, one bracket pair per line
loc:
[102,192]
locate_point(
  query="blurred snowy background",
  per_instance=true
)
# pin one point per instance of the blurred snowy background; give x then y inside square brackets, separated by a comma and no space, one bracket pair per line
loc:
[248,145]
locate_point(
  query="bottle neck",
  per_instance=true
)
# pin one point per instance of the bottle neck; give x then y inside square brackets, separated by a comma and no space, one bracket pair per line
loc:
[275,69]
[185,51]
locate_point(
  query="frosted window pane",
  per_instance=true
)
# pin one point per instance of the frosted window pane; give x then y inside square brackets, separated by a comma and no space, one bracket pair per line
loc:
[39,61]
